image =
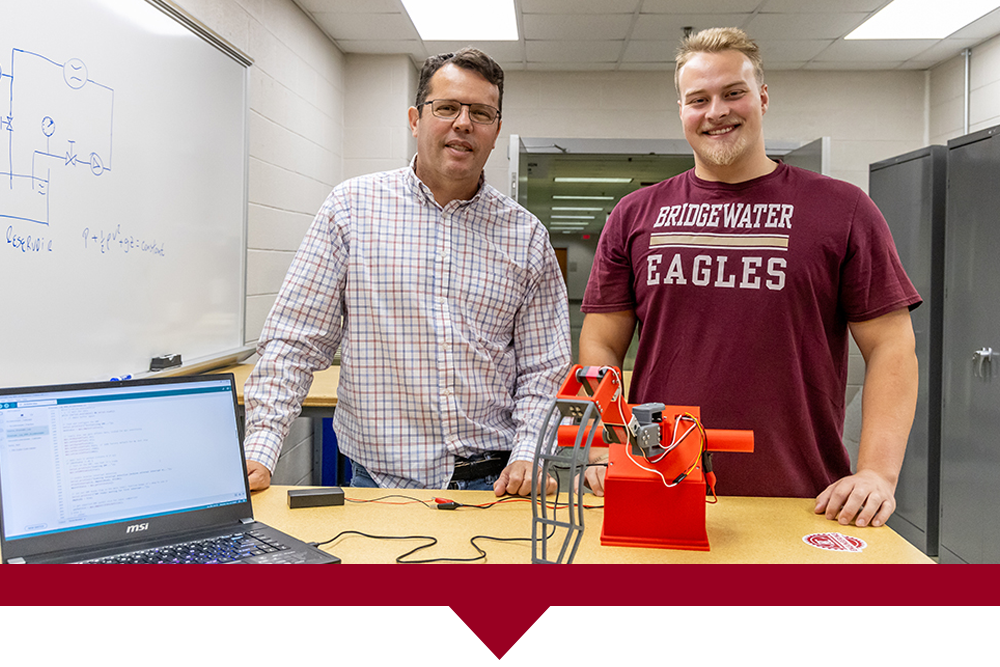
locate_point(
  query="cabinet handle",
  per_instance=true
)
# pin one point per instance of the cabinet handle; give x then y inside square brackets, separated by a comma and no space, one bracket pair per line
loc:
[983,360]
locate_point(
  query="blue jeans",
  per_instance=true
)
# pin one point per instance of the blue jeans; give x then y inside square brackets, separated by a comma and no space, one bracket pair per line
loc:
[362,479]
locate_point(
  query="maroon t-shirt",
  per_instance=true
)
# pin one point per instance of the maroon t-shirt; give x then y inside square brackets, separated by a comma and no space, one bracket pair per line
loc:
[743,293]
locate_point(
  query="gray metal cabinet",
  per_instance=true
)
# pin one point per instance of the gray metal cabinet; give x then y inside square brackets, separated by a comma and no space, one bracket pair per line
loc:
[970,441]
[910,191]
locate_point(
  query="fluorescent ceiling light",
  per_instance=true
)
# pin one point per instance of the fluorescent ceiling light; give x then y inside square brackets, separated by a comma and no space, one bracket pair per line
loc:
[922,19]
[574,179]
[460,21]
[576,208]
[592,197]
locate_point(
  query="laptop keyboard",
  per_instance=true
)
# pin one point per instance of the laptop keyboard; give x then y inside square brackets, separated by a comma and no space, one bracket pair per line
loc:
[226,549]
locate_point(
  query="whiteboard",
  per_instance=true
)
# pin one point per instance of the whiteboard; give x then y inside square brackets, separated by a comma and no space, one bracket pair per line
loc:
[123,189]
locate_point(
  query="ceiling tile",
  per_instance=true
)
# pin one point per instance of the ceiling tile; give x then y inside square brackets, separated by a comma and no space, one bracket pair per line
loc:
[573,52]
[793,49]
[890,50]
[647,51]
[984,28]
[648,66]
[558,27]
[642,34]
[802,26]
[499,51]
[671,26]
[579,6]
[851,65]
[367,26]
[942,51]
[577,65]
[821,6]
[352,6]
[771,65]
[699,6]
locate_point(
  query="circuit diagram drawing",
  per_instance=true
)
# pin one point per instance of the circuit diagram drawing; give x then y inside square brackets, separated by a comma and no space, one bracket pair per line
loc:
[55,124]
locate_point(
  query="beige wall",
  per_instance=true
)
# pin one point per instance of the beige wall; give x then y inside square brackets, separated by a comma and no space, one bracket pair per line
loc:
[376,135]
[947,94]
[869,116]
[296,131]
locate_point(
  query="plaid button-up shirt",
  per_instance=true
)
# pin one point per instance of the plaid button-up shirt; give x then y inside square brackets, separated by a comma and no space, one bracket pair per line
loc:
[452,323]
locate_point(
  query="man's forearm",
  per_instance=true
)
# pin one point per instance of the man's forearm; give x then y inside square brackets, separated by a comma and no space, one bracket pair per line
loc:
[605,337]
[595,355]
[888,403]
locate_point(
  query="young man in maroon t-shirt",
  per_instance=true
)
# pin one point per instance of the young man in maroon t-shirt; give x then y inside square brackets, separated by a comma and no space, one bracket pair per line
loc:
[744,276]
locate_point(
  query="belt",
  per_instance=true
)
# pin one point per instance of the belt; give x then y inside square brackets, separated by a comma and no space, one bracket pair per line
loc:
[479,465]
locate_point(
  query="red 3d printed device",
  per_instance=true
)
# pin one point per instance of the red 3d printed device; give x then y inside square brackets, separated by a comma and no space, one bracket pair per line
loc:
[659,470]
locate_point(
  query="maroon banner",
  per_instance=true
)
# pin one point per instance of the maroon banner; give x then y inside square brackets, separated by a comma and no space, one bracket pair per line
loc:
[501,602]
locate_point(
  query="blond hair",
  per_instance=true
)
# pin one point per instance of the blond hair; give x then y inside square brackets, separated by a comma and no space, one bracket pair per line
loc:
[715,40]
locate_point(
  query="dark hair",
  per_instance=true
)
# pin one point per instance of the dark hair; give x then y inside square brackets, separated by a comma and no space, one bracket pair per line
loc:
[468,58]
[715,40]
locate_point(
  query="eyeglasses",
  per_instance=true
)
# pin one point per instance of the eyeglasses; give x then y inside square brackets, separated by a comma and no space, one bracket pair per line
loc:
[481,114]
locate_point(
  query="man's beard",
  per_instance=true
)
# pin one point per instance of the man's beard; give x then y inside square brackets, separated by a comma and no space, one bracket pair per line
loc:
[725,155]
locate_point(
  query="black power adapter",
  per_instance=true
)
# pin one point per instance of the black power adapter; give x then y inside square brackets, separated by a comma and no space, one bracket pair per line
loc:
[321,497]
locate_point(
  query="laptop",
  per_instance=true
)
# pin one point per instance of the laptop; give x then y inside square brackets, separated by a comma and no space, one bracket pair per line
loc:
[148,470]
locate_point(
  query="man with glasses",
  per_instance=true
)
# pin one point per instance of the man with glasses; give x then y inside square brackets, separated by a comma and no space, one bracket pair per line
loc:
[744,276]
[445,299]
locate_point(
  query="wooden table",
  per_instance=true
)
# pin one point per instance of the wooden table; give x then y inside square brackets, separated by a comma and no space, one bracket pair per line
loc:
[319,404]
[740,530]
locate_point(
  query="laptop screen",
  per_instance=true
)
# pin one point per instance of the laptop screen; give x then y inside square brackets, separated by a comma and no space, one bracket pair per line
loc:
[82,456]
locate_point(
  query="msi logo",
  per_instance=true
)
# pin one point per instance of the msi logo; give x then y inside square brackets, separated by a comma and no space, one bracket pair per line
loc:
[137,528]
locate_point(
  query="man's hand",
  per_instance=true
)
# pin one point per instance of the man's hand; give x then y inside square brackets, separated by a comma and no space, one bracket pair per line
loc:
[593,476]
[887,405]
[604,341]
[259,475]
[515,480]
[866,497]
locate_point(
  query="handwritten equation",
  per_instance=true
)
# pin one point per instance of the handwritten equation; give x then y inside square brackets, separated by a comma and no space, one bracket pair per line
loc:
[105,241]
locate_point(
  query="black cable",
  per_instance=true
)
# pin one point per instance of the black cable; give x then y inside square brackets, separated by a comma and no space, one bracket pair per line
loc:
[554,505]
[394,495]
[433,541]
[486,506]
[402,558]
[585,465]
[456,505]
[472,541]
[481,556]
